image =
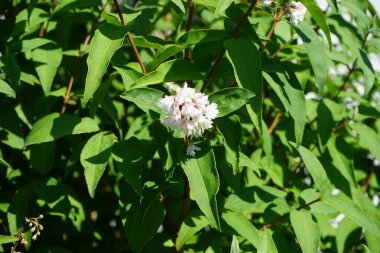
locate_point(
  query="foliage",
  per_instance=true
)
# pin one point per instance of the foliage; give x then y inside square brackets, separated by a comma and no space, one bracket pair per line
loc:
[291,163]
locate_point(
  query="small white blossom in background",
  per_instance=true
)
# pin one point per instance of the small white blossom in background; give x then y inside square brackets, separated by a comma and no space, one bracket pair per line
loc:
[187,111]
[375,162]
[350,103]
[191,148]
[335,222]
[297,12]
[268,3]
[376,99]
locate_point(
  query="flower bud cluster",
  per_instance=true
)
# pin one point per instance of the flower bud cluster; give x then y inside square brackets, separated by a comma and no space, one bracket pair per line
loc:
[35,226]
[187,111]
[297,12]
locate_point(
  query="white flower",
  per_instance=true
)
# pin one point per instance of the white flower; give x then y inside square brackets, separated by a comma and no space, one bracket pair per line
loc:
[297,12]
[187,111]
[268,3]
[350,103]
[190,151]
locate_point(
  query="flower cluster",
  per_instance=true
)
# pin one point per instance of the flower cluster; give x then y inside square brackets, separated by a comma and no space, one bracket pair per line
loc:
[187,111]
[297,12]
[35,226]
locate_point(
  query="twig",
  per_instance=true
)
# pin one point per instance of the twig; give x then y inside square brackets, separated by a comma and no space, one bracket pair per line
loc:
[136,52]
[274,123]
[344,123]
[367,180]
[79,56]
[287,214]
[20,237]
[222,52]
[277,18]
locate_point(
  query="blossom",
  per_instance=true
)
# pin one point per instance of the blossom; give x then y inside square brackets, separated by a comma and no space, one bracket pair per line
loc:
[268,3]
[191,148]
[187,111]
[297,12]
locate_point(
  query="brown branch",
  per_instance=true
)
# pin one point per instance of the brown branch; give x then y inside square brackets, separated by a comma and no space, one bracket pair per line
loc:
[277,18]
[367,180]
[20,237]
[274,123]
[79,56]
[287,215]
[222,52]
[42,30]
[344,123]
[129,36]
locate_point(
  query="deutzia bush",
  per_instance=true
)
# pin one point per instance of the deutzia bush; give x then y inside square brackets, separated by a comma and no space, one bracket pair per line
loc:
[187,111]
[189,126]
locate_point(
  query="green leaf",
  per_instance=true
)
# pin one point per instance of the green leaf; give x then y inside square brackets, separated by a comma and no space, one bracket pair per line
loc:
[234,245]
[107,39]
[338,161]
[319,18]
[34,43]
[128,75]
[11,124]
[230,99]
[6,89]
[210,4]
[307,230]
[203,180]
[7,239]
[12,69]
[369,138]
[194,222]
[47,60]
[365,64]
[296,98]
[231,130]
[245,161]
[170,71]
[318,58]
[331,112]
[333,4]
[315,168]
[186,40]
[278,90]
[54,126]
[221,7]
[94,158]
[128,158]
[243,227]
[3,162]
[18,208]
[42,157]
[235,15]
[145,98]
[101,93]
[367,250]
[267,244]
[245,59]
[73,4]
[346,206]
[179,4]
